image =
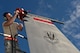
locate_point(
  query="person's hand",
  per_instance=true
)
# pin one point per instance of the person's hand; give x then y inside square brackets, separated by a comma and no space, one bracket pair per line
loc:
[17,12]
[21,24]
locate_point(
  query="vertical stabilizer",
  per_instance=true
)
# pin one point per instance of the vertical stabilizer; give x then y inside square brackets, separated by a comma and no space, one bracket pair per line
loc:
[45,37]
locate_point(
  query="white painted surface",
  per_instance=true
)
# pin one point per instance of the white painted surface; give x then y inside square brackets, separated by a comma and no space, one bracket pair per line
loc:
[39,41]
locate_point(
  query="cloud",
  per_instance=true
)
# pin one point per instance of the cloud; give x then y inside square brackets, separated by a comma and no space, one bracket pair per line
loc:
[72,26]
[44,4]
[44,7]
[49,6]
[41,7]
[77,36]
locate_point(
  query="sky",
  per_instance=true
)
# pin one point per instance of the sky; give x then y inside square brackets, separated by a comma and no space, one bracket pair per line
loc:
[67,11]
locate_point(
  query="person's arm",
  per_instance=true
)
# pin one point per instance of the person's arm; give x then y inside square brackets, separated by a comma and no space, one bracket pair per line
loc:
[20,26]
[7,23]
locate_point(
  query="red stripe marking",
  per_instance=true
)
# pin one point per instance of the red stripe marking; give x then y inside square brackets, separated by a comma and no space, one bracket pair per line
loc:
[10,38]
[46,21]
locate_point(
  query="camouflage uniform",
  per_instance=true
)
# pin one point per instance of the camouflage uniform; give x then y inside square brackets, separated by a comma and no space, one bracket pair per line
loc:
[11,43]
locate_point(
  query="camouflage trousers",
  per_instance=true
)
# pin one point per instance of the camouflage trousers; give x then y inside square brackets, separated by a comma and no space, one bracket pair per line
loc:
[11,46]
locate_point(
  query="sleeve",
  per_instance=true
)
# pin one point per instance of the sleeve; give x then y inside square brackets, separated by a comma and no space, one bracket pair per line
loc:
[16,24]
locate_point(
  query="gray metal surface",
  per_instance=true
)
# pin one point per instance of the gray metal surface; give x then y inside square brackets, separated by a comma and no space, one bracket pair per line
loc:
[39,34]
